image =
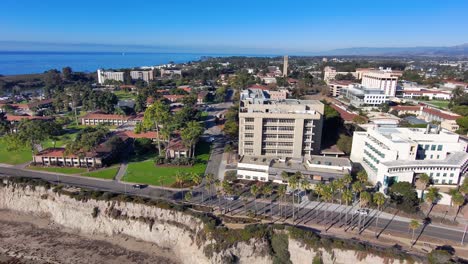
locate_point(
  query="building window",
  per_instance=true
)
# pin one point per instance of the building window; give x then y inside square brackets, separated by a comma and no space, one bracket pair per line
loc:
[433,147]
[439,148]
[432,174]
[426,147]
[450,181]
[438,174]
[444,175]
[438,156]
[443,181]
[451,174]
[436,181]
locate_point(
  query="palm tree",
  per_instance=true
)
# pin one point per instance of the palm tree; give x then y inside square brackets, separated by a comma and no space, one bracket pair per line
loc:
[285,176]
[357,188]
[281,194]
[432,197]
[379,199]
[452,193]
[424,180]
[218,193]
[364,199]
[254,191]
[268,191]
[341,187]
[197,179]
[227,189]
[209,179]
[458,200]
[347,179]
[413,225]
[362,176]
[293,183]
[347,197]
[327,196]
[319,187]
[304,185]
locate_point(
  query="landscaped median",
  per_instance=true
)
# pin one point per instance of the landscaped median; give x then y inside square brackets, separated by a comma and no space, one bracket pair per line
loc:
[147,172]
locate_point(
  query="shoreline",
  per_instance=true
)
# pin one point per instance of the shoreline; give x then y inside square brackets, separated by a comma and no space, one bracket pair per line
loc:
[27,238]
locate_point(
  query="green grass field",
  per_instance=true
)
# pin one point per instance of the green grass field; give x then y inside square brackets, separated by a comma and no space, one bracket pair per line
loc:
[64,170]
[61,142]
[439,103]
[123,95]
[20,156]
[146,172]
[108,173]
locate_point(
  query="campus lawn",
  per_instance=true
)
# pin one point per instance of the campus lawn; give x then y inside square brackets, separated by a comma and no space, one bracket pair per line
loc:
[146,172]
[439,103]
[62,140]
[108,173]
[20,156]
[64,170]
[124,95]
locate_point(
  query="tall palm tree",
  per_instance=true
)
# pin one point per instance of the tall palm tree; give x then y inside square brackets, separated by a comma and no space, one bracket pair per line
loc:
[379,199]
[254,191]
[347,179]
[432,197]
[197,179]
[293,183]
[218,193]
[209,180]
[347,197]
[227,189]
[281,194]
[268,191]
[364,199]
[413,225]
[424,180]
[305,186]
[452,193]
[319,187]
[327,195]
[357,188]
[340,187]
[458,200]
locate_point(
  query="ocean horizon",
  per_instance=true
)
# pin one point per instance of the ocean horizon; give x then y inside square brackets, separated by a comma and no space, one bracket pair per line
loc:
[31,62]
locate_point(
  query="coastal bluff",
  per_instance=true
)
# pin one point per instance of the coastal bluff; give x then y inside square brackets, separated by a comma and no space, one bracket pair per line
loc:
[183,233]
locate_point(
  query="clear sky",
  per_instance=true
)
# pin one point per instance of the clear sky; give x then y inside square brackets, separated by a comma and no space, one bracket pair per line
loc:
[242,25]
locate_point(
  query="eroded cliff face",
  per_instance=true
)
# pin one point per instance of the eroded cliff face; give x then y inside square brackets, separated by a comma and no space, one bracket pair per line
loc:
[178,231]
[165,228]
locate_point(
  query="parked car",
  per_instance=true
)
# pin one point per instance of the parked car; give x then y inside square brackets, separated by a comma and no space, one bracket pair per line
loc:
[362,211]
[231,197]
[139,186]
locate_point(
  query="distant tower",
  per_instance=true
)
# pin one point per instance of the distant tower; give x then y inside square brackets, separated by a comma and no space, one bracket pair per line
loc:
[285,66]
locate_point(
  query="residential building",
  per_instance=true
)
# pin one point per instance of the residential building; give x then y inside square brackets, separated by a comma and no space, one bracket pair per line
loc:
[454,84]
[109,75]
[284,129]
[176,149]
[146,76]
[174,97]
[329,73]
[57,157]
[450,125]
[385,80]
[392,154]
[170,73]
[336,86]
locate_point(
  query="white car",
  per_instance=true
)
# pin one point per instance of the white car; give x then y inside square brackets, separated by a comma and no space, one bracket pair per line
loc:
[362,211]
[210,139]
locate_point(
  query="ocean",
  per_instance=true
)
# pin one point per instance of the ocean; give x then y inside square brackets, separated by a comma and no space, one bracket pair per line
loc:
[27,62]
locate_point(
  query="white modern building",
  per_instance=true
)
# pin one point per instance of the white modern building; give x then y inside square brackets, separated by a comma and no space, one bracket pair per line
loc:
[392,154]
[383,79]
[359,95]
[109,75]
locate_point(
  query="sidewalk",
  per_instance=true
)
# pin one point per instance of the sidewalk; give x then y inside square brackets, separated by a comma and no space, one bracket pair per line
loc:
[372,212]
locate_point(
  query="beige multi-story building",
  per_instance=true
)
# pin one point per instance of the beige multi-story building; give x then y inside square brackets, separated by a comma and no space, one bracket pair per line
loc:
[383,79]
[281,129]
[142,75]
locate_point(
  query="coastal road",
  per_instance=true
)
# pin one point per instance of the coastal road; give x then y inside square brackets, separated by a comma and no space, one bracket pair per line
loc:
[305,217]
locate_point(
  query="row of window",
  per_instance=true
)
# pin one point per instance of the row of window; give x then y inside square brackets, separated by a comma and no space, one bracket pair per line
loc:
[371,156]
[281,128]
[276,120]
[276,136]
[370,164]
[436,181]
[279,151]
[438,174]
[421,169]
[375,150]
[277,144]
[432,147]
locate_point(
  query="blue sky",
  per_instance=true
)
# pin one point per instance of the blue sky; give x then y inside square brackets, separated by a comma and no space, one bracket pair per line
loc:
[243,26]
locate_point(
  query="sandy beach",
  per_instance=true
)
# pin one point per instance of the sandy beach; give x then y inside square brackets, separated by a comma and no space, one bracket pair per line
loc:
[31,239]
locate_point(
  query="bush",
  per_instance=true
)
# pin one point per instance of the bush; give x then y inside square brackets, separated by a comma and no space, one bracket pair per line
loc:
[95,212]
[317,259]
[279,245]
[439,256]
[230,175]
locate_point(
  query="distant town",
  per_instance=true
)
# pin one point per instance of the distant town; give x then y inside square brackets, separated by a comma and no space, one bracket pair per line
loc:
[375,147]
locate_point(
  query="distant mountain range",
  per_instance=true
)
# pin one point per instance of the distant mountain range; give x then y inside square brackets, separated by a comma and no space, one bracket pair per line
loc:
[460,50]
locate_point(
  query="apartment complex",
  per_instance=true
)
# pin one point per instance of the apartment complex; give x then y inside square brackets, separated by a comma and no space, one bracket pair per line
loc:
[103,76]
[392,154]
[142,75]
[284,129]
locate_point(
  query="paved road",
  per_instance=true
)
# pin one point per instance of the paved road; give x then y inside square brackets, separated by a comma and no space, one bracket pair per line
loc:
[305,216]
